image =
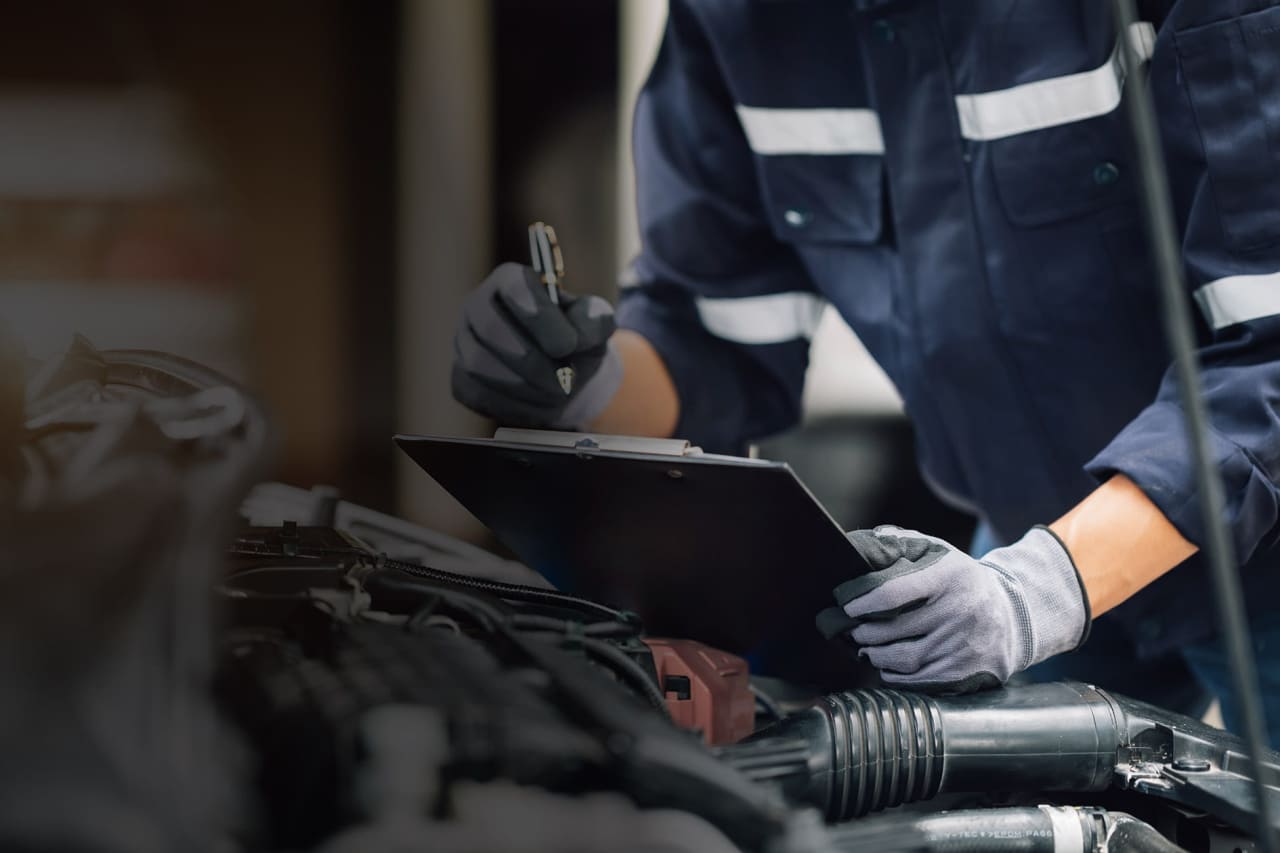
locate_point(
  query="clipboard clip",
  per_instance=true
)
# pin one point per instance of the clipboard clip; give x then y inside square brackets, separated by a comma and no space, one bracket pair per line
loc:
[593,441]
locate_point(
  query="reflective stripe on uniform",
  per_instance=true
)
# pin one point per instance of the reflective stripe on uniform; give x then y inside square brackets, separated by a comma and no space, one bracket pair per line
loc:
[1051,102]
[1239,299]
[771,319]
[818,131]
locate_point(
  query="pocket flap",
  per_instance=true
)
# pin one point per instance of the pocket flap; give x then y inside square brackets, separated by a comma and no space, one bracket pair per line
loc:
[1057,173]
[823,199]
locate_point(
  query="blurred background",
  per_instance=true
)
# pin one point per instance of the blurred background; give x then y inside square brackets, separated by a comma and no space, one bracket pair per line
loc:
[301,192]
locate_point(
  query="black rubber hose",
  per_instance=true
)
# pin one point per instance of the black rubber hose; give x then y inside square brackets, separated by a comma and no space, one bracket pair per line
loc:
[1127,833]
[1026,830]
[1021,829]
[611,629]
[515,592]
[861,751]
[490,615]
[627,670]
[1219,547]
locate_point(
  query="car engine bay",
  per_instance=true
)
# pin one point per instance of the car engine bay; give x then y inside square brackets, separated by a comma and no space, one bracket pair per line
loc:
[199,660]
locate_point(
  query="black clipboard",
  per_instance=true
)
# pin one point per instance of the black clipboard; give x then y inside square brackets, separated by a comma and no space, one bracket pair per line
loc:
[734,552]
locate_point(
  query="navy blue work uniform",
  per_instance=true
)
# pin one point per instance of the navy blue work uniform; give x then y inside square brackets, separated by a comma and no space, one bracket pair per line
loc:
[957,180]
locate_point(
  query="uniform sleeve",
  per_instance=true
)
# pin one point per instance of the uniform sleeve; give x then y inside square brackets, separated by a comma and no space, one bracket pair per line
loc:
[1215,76]
[728,307]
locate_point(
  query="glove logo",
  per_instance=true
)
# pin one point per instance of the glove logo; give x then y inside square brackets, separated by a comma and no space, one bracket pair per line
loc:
[565,377]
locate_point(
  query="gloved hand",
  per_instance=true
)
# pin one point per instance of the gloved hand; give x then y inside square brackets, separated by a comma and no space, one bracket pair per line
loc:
[512,338]
[932,618]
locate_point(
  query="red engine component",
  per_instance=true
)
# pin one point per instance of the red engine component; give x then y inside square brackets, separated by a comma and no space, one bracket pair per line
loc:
[707,690]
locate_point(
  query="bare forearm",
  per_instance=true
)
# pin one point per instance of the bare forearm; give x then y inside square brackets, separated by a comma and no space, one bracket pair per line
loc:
[1120,542]
[646,403]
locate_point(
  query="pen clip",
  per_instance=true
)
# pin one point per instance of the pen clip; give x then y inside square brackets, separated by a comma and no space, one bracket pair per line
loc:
[544,249]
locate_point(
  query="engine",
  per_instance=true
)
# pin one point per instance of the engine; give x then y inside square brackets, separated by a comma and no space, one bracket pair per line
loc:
[200,661]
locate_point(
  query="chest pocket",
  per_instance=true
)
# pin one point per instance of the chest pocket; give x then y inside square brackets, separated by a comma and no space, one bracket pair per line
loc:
[1057,137]
[823,198]
[1231,70]
[1056,173]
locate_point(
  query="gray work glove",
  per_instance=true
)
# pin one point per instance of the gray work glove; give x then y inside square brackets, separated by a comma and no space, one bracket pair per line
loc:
[932,618]
[512,339]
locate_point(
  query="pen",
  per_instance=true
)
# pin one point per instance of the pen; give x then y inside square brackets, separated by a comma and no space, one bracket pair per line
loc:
[549,264]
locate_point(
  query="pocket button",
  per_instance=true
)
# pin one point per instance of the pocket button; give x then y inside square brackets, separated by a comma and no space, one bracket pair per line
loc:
[796,217]
[1106,173]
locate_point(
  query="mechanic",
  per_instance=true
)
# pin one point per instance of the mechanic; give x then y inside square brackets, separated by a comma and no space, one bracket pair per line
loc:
[957,180]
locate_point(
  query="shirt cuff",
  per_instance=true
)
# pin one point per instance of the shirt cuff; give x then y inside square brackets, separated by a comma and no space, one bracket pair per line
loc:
[1153,451]
[707,389]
